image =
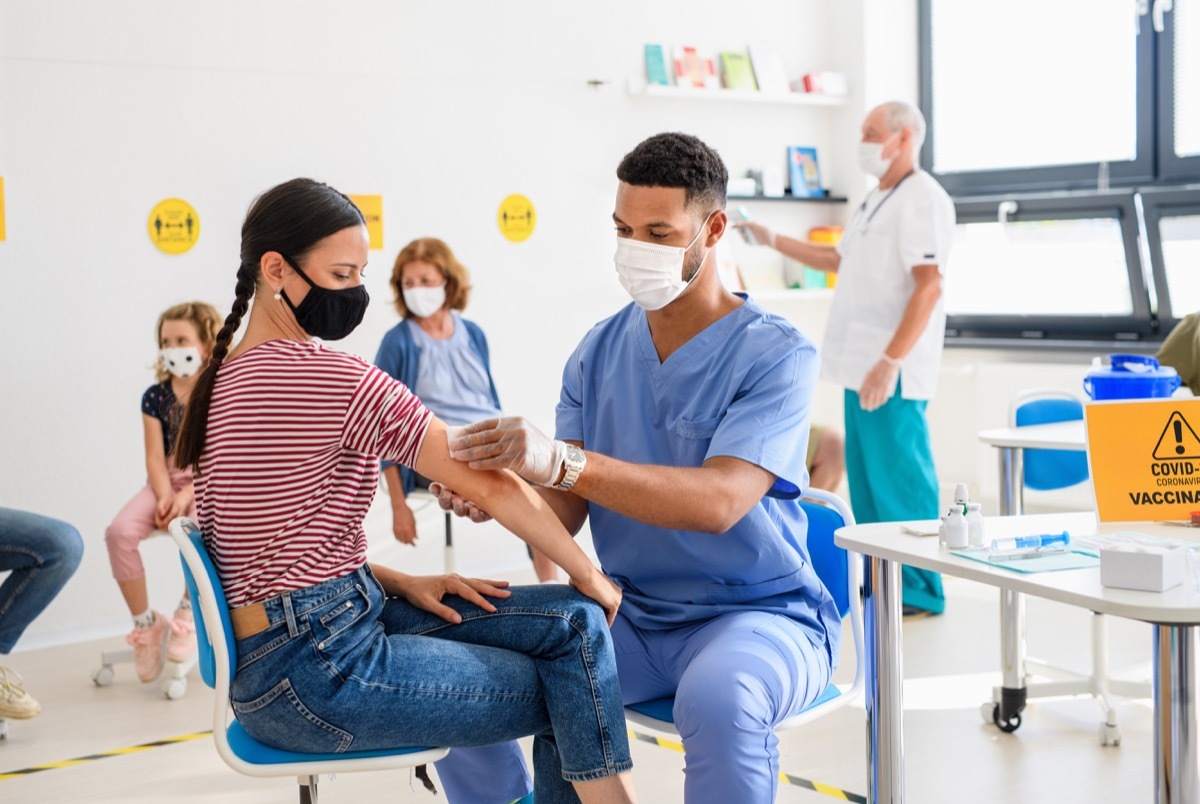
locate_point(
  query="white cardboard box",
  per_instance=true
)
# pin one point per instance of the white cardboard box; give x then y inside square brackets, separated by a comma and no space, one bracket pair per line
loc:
[1148,568]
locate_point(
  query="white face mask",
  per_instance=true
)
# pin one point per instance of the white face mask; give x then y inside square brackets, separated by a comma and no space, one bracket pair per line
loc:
[870,158]
[423,302]
[183,361]
[652,273]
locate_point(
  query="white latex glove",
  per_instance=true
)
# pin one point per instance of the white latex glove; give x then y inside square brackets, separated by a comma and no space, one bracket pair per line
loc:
[512,443]
[879,385]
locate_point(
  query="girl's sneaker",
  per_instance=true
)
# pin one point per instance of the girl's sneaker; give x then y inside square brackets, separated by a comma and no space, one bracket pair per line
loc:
[15,702]
[148,648]
[181,642]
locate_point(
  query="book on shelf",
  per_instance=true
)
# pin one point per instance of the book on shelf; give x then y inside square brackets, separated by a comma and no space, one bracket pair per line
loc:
[657,72]
[769,72]
[804,172]
[736,72]
[823,82]
[694,68]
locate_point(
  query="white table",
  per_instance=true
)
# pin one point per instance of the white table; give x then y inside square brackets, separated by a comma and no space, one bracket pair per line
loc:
[1174,615]
[1013,441]
[1010,697]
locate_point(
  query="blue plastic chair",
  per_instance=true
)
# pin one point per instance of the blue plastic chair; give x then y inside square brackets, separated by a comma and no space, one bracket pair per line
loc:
[1048,469]
[839,571]
[215,640]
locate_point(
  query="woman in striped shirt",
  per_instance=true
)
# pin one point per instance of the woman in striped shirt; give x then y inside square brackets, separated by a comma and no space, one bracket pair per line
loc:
[285,436]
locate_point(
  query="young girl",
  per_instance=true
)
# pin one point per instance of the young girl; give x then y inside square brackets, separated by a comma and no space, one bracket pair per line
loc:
[186,333]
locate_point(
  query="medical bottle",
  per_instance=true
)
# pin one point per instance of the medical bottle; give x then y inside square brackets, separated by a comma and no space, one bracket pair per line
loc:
[975,524]
[956,529]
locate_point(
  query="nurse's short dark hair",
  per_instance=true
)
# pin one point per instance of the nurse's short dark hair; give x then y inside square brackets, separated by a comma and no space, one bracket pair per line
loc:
[672,159]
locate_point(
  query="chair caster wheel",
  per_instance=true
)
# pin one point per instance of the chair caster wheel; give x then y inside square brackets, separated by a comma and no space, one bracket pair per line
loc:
[1110,735]
[1006,726]
[987,711]
[103,676]
[175,689]
[3,729]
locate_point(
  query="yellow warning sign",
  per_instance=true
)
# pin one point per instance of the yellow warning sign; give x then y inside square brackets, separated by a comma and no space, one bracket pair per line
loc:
[1144,457]
[371,206]
[2,235]
[174,225]
[516,218]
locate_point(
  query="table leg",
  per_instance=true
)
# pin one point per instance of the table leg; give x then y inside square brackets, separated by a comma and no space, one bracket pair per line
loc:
[884,682]
[1012,604]
[1176,775]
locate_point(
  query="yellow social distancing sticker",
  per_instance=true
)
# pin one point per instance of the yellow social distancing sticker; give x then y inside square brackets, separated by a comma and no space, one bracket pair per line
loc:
[174,226]
[371,206]
[1144,457]
[516,218]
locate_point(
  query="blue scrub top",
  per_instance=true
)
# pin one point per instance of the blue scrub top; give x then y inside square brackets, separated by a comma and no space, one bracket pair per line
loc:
[742,387]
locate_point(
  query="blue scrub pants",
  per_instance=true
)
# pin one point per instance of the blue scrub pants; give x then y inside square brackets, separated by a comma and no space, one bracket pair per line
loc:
[889,467]
[734,678]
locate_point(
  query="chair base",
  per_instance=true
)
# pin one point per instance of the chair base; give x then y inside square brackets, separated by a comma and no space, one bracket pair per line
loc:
[172,681]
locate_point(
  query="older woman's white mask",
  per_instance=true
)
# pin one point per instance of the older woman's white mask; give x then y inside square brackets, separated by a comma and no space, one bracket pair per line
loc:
[424,302]
[653,273]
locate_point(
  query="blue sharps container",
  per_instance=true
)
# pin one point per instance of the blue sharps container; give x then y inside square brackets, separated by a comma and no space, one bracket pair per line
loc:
[1131,377]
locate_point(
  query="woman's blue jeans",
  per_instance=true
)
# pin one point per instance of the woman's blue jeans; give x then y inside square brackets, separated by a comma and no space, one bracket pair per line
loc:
[43,554]
[342,668]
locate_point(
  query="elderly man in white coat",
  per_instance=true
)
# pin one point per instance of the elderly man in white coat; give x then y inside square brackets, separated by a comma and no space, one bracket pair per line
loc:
[883,343]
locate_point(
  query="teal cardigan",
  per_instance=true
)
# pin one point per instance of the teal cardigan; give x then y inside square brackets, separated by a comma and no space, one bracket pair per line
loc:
[400,357]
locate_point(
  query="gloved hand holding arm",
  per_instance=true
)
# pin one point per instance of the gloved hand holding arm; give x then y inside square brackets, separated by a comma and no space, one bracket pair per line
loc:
[510,442]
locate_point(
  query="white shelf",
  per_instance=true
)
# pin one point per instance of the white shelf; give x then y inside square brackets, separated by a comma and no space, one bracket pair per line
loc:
[791,294]
[639,88]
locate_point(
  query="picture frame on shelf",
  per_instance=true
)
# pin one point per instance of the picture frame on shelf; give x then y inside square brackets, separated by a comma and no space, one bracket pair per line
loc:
[804,171]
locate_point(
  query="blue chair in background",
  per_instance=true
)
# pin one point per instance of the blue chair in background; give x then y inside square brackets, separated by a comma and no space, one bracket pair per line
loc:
[839,571]
[1048,469]
[217,660]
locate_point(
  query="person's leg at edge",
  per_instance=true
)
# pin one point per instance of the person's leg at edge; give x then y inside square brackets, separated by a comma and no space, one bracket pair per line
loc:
[898,459]
[41,554]
[767,668]
[826,458]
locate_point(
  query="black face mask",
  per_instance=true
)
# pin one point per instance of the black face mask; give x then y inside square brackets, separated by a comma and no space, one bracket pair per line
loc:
[328,314]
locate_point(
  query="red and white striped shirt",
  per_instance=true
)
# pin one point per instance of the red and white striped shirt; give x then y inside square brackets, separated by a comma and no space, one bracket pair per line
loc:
[291,464]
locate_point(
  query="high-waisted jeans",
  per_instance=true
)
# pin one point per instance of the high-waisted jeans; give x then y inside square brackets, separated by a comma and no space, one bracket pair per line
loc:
[343,668]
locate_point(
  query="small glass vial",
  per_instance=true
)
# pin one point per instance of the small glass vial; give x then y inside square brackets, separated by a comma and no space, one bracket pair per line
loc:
[956,529]
[975,524]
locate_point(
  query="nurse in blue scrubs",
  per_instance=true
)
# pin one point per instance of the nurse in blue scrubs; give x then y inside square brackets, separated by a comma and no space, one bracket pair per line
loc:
[681,434]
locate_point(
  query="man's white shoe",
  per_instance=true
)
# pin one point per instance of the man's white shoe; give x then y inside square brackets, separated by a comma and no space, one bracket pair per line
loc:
[15,702]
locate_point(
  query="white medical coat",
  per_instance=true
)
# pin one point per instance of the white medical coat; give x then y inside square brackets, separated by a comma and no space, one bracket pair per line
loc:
[914,225]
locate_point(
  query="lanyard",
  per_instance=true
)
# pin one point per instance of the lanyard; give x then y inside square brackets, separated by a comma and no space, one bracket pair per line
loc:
[863,229]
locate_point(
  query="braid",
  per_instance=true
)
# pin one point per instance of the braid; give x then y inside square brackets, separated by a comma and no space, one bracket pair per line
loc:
[193,432]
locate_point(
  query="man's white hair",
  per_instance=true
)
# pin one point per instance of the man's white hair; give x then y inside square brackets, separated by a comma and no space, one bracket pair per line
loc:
[899,114]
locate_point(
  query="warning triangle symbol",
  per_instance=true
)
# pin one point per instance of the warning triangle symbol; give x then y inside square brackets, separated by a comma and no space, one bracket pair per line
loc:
[1178,440]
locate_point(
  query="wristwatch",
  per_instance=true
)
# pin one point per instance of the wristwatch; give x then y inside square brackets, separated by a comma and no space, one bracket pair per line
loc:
[573,462]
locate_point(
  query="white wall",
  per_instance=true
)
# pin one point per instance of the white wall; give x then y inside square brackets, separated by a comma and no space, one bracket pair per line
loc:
[444,109]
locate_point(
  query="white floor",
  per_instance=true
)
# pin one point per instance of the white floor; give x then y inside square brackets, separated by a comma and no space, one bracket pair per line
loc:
[952,756]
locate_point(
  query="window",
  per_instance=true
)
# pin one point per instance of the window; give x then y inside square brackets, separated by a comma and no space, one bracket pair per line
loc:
[1085,116]
[1173,236]
[1054,268]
